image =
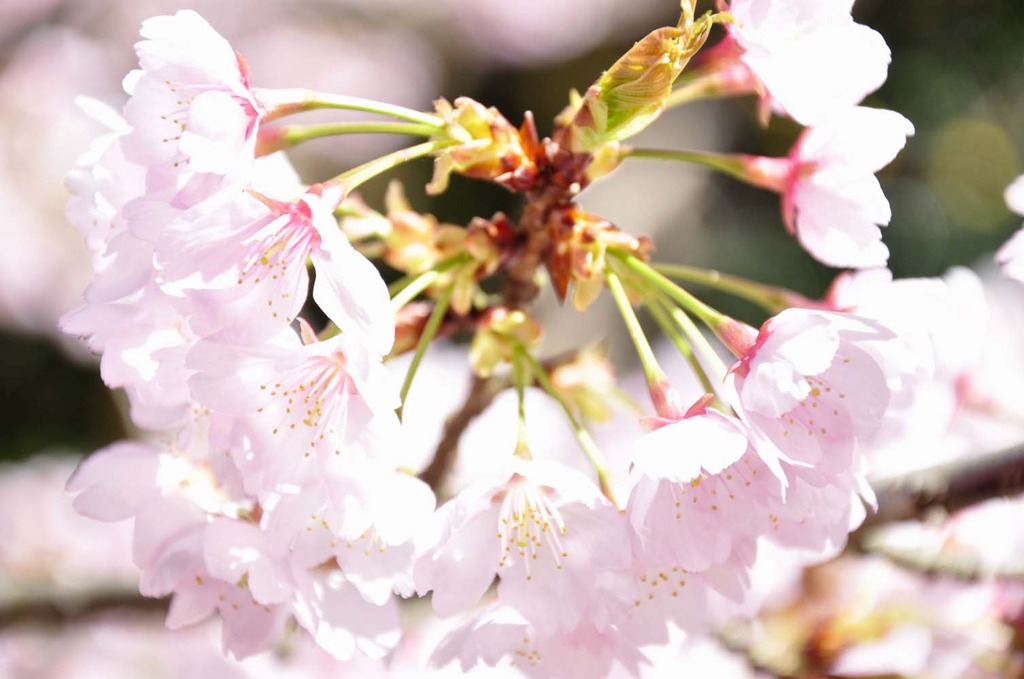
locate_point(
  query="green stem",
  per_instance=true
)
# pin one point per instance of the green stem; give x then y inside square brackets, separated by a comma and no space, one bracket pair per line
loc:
[652,370]
[706,314]
[770,298]
[350,179]
[583,437]
[429,331]
[661,316]
[413,288]
[520,374]
[734,165]
[697,339]
[282,137]
[772,174]
[406,288]
[738,337]
[284,102]
[697,86]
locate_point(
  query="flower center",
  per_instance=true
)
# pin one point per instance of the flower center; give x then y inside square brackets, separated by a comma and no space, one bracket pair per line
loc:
[314,397]
[530,527]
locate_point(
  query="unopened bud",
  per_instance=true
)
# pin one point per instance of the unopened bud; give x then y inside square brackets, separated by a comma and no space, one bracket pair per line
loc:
[498,334]
[580,252]
[488,146]
[587,383]
[632,93]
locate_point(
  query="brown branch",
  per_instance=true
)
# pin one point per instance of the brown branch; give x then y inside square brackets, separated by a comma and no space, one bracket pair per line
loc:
[481,394]
[70,610]
[948,487]
[533,243]
[940,561]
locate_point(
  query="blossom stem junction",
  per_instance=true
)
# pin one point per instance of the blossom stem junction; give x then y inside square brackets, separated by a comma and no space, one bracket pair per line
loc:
[772,174]
[738,337]
[666,400]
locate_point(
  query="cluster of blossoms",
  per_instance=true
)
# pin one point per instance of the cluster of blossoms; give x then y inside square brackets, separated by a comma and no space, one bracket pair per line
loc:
[273,455]
[273,491]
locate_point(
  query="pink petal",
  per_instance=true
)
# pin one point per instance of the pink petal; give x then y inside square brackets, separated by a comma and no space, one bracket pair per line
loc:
[462,567]
[112,483]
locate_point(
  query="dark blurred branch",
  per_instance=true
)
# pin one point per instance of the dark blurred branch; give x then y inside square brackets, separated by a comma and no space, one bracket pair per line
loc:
[945,488]
[57,612]
[941,561]
[481,394]
[948,487]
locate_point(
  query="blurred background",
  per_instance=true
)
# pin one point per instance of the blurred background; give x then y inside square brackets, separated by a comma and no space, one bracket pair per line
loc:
[957,73]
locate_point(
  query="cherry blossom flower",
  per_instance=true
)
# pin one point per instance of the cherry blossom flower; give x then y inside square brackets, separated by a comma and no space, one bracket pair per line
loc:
[170,498]
[279,500]
[942,328]
[102,181]
[543,528]
[702,495]
[831,200]
[815,385]
[500,636]
[192,106]
[700,491]
[286,409]
[195,543]
[796,53]
[1011,255]
[819,510]
[944,319]
[143,342]
[242,270]
[350,514]
[324,600]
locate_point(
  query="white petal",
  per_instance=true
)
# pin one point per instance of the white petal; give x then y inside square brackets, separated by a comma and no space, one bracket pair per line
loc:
[112,483]
[679,451]
[352,293]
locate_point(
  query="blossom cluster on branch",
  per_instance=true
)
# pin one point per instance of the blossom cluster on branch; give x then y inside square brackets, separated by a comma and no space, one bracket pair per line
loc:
[272,490]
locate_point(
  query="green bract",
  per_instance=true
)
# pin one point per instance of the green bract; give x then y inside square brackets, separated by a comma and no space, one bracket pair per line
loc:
[631,94]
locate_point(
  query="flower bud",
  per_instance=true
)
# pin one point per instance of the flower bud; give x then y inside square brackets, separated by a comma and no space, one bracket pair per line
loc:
[632,93]
[587,383]
[498,333]
[578,257]
[488,146]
